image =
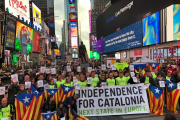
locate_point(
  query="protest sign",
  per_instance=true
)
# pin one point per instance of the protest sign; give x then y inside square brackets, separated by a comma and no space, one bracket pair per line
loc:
[2,90]
[53,70]
[75,81]
[104,84]
[46,86]
[78,86]
[132,74]
[96,75]
[103,67]
[113,67]
[40,83]
[89,79]
[131,67]
[6,118]
[89,69]
[116,100]
[161,83]
[135,79]
[68,69]
[27,85]
[48,71]
[43,69]
[79,69]
[14,77]
[178,86]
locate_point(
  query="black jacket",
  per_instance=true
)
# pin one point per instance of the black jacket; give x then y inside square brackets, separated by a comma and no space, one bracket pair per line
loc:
[131,81]
[68,101]
[100,81]
[46,107]
[177,80]
[12,90]
[151,80]
[156,82]
[61,112]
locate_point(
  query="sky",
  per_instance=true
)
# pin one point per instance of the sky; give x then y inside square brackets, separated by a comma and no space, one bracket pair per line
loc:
[83,17]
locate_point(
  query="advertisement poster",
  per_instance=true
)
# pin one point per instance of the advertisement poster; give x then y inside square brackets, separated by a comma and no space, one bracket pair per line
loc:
[10,34]
[73,31]
[36,42]
[28,32]
[100,46]
[74,42]
[90,20]
[126,38]
[56,52]
[93,40]
[48,45]
[18,7]
[73,17]
[36,16]
[176,22]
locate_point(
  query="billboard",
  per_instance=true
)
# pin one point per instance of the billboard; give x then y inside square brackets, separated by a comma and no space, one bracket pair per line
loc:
[90,20]
[51,25]
[93,40]
[28,32]
[125,13]
[36,42]
[10,34]
[73,31]
[18,7]
[94,55]
[36,16]
[56,52]
[100,46]
[176,22]
[71,1]
[74,42]
[151,29]
[48,46]
[73,17]
[127,38]
[75,56]
[72,9]
[73,24]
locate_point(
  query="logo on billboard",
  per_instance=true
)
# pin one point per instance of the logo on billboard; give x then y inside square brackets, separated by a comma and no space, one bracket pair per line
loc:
[72,17]
[18,4]
[36,16]
[73,24]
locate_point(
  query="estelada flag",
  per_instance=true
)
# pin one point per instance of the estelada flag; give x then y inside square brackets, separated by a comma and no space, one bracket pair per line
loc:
[66,92]
[153,66]
[137,66]
[50,116]
[39,102]
[172,96]
[24,104]
[156,100]
[55,93]
[74,116]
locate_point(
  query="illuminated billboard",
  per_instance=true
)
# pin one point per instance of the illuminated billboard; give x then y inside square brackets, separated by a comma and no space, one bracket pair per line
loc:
[74,42]
[36,16]
[73,24]
[94,55]
[36,42]
[18,7]
[73,31]
[56,52]
[73,17]
[71,1]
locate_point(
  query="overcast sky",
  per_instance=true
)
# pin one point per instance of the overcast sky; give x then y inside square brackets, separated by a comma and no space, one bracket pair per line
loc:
[83,17]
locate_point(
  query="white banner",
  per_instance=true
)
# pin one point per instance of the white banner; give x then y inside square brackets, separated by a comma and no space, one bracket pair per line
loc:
[108,100]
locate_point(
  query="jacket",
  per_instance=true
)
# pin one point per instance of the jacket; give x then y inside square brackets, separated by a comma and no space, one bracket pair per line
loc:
[61,112]
[156,82]
[100,81]
[142,80]
[6,111]
[171,79]
[46,105]
[131,81]
[177,80]
[22,92]
[12,90]
[68,101]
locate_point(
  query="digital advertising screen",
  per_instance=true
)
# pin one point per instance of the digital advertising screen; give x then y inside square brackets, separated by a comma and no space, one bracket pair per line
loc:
[93,40]
[100,46]
[71,1]
[36,16]
[151,29]
[75,51]
[73,17]
[126,38]
[75,56]
[36,43]
[94,55]
[73,31]
[56,52]
[10,33]
[51,25]
[28,32]
[176,22]
[72,9]
[74,42]
[73,24]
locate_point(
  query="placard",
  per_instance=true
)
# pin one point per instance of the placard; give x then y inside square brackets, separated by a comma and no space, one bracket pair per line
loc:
[178,86]
[48,71]
[104,84]
[96,75]
[152,73]
[135,79]
[40,83]
[2,90]
[103,67]
[161,83]
[63,118]
[132,74]
[112,100]
[68,69]
[75,81]
[46,86]
[42,69]
[6,118]
[113,67]
[55,80]
[131,67]
[79,69]
[14,77]
[27,85]
[89,79]
[89,69]
[78,86]
[53,71]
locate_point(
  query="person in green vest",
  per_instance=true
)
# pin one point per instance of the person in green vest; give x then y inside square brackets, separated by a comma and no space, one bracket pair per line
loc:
[154,76]
[82,81]
[121,79]
[59,81]
[95,80]
[6,110]
[140,71]
[111,80]
[126,75]
[147,78]
[51,84]
[116,74]
[68,82]
[63,77]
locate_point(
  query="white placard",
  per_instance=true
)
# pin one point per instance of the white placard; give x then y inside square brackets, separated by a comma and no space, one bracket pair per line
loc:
[53,70]
[178,86]
[135,79]
[89,79]
[62,118]
[78,86]
[131,67]
[89,69]
[161,83]
[40,83]
[14,77]
[48,71]
[104,84]
[79,69]
[27,85]
[55,80]
[152,73]
[96,75]
[74,78]
[43,69]
[132,74]
[6,118]
[68,69]
[113,67]
[75,82]
[46,86]
[76,91]
[2,90]
[103,67]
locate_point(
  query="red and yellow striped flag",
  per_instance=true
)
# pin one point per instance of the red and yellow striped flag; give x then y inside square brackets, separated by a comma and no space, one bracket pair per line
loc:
[73,116]
[66,92]
[55,93]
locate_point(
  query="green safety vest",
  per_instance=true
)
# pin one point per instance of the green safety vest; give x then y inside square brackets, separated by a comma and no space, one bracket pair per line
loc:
[64,80]
[94,81]
[58,83]
[168,78]
[52,86]
[69,84]
[122,81]
[154,76]
[110,82]
[5,112]
[146,80]
[83,84]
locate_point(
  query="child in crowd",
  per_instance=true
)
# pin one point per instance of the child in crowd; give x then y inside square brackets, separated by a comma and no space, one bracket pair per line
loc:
[22,89]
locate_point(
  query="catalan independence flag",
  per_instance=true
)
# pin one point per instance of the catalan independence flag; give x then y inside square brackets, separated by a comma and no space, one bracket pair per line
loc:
[156,100]
[73,116]
[39,102]
[24,104]
[55,93]
[153,66]
[50,116]
[137,66]
[66,92]
[172,96]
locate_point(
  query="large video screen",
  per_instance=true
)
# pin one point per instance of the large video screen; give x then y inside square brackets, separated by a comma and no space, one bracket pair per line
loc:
[176,21]
[151,29]
[93,41]
[127,38]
